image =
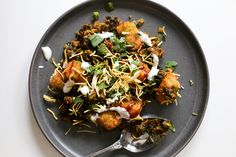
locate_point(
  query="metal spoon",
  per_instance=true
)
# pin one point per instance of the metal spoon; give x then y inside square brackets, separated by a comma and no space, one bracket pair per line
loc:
[128,142]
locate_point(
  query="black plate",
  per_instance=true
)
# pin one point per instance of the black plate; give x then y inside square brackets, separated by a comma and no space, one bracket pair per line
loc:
[181,46]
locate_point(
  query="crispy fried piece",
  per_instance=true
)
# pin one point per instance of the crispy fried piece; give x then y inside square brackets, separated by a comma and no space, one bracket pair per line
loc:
[75,43]
[127,26]
[134,107]
[135,40]
[168,89]
[144,70]
[139,22]
[73,71]
[132,37]
[109,120]
[156,50]
[68,100]
[56,80]
[100,26]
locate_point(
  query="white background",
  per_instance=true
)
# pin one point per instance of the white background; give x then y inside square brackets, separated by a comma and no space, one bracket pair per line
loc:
[22,24]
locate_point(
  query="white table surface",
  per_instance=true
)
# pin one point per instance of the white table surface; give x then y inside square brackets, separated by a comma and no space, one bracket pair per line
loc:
[22,24]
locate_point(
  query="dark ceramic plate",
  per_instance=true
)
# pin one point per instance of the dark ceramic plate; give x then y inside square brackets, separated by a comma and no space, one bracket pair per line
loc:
[181,46]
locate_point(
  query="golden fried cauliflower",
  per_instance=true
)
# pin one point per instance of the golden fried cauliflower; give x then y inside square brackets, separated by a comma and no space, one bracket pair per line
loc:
[73,71]
[168,89]
[109,120]
[134,107]
[132,36]
[56,80]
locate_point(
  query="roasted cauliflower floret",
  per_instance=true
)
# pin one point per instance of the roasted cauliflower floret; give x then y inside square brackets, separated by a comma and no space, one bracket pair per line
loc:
[143,72]
[168,89]
[56,80]
[109,120]
[134,107]
[132,36]
[127,27]
[73,71]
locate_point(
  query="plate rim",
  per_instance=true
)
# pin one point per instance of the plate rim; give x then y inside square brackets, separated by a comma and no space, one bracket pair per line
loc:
[62,150]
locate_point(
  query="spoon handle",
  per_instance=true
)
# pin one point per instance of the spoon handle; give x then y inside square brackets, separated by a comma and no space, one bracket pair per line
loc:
[114,146]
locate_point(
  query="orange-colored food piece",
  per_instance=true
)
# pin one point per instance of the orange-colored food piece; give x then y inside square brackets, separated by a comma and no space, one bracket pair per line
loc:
[144,70]
[134,107]
[169,83]
[56,80]
[127,26]
[109,120]
[73,71]
[132,37]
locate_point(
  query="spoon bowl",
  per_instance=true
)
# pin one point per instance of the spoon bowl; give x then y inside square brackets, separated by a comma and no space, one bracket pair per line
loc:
[131,143]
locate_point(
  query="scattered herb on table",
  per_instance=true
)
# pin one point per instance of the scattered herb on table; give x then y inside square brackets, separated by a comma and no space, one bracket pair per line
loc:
[96,15]
[195,114]
[171,64]
[109,6]
[191,82]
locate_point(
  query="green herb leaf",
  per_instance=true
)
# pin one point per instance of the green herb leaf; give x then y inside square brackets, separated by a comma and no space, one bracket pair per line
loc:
[102,85]
[134,70]
[170,64]
[119,44]
[95,39]
[96,69]
[172,128]
[195,114]
[191,82]
[122,40]
[78,100]
[96,15]
[109,6]
[135,62]
[103,50]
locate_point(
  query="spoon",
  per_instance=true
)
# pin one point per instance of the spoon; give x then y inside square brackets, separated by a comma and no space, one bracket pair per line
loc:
[130,143]
[127,142]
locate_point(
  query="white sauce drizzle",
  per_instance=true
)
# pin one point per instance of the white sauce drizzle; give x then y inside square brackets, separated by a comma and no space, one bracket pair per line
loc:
[68,86]
[145,38]
[47,52]
[116,64]
[105,34]
[122,112]
[85,65]
[154,70]
[84,90]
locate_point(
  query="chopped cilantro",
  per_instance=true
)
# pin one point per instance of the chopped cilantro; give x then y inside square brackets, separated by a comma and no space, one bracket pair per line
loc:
[135,62]
[96,69]
[195,114]
[103,50]
[109,6]
[78,100]
[170,64]
[95,39]
[172,128]
[102,85]
[113,80]
[119,44]
[191,82]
